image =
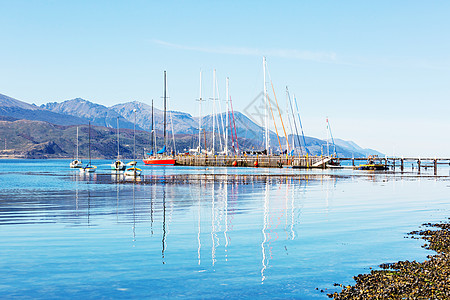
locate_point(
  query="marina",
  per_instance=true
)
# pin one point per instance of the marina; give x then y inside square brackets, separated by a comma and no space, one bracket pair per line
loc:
[224,150]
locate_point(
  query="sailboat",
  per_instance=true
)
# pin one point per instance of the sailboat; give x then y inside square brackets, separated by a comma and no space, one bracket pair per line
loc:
[76,163]
[133,171]
[89,168]
[161,158]
[118,165]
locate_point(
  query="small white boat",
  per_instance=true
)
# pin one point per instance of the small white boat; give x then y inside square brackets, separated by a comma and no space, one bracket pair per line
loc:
[118,165]
[76,163]
[89,168]
[133,172]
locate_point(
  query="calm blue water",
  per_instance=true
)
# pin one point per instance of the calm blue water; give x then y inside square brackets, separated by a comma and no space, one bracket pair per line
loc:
[205,232]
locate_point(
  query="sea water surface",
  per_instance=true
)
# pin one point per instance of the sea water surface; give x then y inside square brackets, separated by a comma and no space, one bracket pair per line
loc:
[196,232]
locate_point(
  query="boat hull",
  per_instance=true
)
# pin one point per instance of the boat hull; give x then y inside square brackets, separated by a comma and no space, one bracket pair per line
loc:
[133,172]
[118,166]
[372,167]
[159,161]
[76,164]
[90,169]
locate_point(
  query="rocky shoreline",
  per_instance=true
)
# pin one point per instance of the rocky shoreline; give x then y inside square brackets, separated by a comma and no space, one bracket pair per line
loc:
[409,279]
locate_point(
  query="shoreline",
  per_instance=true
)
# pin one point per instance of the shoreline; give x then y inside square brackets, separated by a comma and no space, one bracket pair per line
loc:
[409,279]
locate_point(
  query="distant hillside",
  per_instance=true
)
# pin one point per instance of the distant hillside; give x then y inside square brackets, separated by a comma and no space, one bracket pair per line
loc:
[79,112]
[355,149]
[183,123]
[6,101]
[98,114]
[12,108]
[37,139]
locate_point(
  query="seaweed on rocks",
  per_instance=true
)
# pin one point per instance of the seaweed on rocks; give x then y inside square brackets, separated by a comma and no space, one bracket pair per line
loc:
[409,279]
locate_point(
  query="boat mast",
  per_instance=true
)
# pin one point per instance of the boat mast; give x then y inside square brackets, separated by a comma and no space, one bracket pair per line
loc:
[296,130]
[200,116]
[153,149]
[227,118]
[289,121]
[118,153]
[266,113]
[164,108]
[301,126]
[77,143]
[214,110]
[134,134]
[328,145]
[89,142]
[332,139]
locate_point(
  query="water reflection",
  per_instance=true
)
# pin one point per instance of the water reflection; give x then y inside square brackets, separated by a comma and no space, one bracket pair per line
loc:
[222,216]
[264,231]
[199,227]
[163,223]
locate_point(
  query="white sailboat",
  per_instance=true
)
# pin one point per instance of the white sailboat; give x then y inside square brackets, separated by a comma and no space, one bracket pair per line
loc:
[133,171]
[118,165]
[76,163]
[89,167]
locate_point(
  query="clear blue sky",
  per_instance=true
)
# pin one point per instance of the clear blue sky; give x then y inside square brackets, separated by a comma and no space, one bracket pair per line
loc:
[380,70]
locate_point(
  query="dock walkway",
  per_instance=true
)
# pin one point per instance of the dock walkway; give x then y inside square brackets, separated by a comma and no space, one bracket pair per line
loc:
[263,161]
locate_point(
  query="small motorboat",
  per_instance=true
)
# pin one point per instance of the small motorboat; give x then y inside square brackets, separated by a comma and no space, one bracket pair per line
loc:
[373,164]
[133,171]
[118,165]
[372,167]
[76,164]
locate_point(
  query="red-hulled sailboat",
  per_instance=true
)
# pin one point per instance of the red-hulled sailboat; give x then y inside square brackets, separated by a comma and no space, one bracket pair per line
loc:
[161,158]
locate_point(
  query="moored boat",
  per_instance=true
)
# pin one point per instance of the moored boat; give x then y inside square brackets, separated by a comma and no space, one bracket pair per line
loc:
[89,167]
[160,158]
[118,165]
[373,164]
[76,163]
[372,167]
[133,172]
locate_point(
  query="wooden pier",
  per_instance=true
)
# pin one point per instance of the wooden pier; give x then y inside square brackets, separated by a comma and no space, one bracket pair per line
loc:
[307,162]
[263,161]
[399,163]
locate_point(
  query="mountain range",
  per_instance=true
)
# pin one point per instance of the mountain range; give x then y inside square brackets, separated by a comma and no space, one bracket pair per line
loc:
[50,129]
